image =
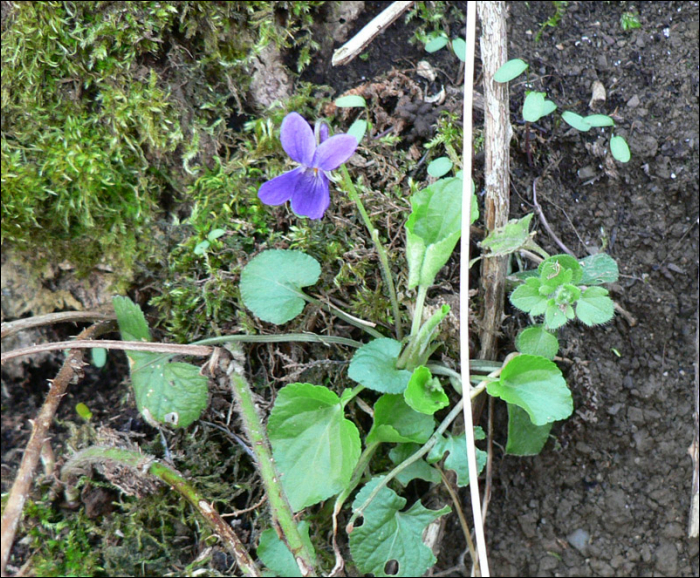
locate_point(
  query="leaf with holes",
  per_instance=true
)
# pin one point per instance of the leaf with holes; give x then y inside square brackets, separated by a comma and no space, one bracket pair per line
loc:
[309,433]
[271,284]
[390,534]
[172,393]
[456,450]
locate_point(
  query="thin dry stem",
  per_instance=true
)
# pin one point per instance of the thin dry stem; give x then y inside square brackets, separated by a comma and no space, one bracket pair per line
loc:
[71,369]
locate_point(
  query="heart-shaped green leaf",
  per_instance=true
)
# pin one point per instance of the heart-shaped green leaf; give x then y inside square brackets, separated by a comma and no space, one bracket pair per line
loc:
[536,385]
[599,268]
[396,422]
[536,340]
[511,237]
[456,450]
[433,229]
[459,47]
[416,470]
[552,270]
[374,366]
[275,554]
[271,284]
[166,392]
[524,437]
[595,307]
[309,433]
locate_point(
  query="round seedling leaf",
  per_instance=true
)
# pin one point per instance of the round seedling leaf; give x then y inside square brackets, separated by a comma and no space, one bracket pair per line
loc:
[351,101]
[599,120]
[374,366]
[201,248]
[536,106]
[510,70]
[436,43]
[576,121]
[619,149]
[358,129]
[271,284]
[536,340]
[439,167]
[459,47]
[536,385]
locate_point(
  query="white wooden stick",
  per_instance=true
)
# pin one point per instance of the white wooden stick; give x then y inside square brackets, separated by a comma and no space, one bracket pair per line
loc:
[464,288]
[357,43]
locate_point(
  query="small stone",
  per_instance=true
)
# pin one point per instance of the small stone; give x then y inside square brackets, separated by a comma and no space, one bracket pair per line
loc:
[579,539]
[633,102]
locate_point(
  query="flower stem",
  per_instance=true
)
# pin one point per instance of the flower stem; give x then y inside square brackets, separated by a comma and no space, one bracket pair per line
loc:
[282,515]
[280,338]
[418,313]
[383,259]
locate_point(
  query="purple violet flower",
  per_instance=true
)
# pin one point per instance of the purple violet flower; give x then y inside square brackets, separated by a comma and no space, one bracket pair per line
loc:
[307,185]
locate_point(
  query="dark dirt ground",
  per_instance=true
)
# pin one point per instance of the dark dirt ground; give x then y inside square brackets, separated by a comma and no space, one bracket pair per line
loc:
[609,496]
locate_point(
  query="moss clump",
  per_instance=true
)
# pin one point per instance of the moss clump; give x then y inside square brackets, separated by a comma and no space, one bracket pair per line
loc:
[106,106]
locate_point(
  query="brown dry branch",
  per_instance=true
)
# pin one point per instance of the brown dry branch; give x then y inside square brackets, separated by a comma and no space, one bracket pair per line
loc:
[64,317]
[174,348]
[494,52]
[72,369]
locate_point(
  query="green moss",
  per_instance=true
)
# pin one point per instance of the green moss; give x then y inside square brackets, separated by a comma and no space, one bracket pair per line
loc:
[107,105]
[62,544]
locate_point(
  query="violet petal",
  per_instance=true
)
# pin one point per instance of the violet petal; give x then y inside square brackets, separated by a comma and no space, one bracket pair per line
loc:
[311,197]
[280,189]
[297,138]
[333,152]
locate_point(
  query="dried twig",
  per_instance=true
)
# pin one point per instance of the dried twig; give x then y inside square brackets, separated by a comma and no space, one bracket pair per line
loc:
[13,327]
[364,37]
[174,348]
[549,230]
[72,368]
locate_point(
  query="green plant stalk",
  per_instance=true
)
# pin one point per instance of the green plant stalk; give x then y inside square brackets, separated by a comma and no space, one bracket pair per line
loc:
[280,338]
[418,313]
[143,464]
[418,346]
[282,515]
[340,313]
[383,259]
